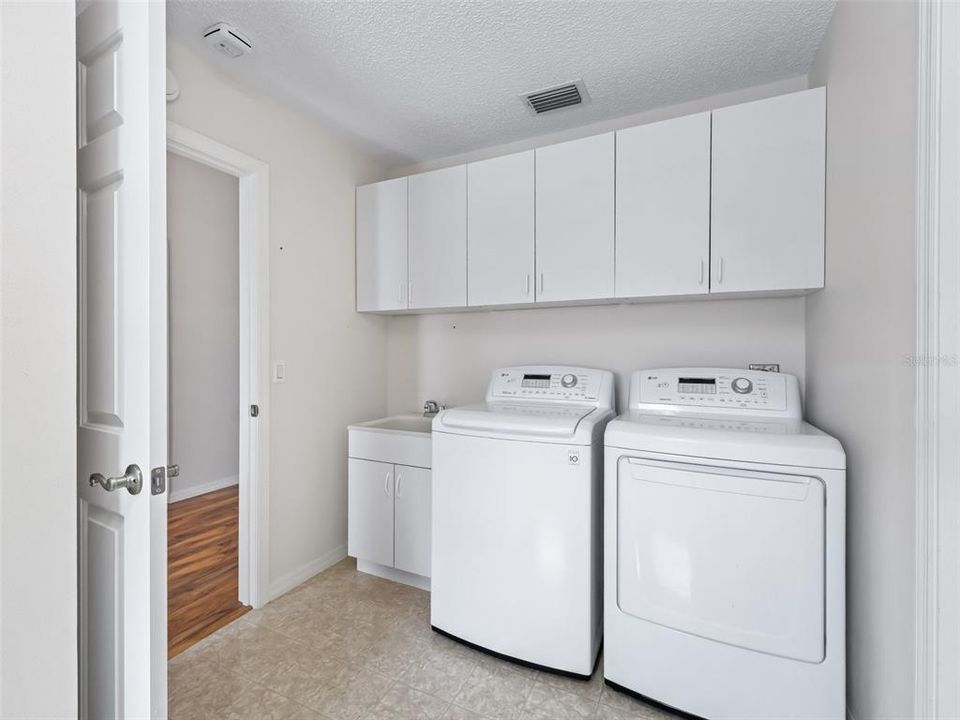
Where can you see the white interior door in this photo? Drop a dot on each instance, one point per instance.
(122, 358)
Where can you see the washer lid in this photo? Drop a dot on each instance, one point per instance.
(525, 420)
(747, 439)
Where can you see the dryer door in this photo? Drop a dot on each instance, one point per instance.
(727, 554)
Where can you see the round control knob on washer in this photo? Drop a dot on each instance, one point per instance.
(569, 380)
(741, 385)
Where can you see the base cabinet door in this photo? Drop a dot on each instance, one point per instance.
(413, 520)
(370, 525)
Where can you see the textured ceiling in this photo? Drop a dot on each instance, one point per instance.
(424, 79)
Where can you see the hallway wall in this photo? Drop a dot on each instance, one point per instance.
(203, 211)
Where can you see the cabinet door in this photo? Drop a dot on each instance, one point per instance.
(382, 245)
(413, 520)
(370, 511)
(663, 208)
(768, 194)
(438, 238)
(500, 241)
(575, 219)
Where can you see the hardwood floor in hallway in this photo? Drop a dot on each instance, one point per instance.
(202, 567)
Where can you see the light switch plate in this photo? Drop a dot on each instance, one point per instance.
(280, 371)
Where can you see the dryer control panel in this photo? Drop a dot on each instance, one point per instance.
(549, 383)
(723, 390)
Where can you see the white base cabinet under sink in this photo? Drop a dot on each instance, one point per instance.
(389, 498)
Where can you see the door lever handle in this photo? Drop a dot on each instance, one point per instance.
(132, 480)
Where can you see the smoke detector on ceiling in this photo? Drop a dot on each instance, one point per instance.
(227, 40)
(556, 97)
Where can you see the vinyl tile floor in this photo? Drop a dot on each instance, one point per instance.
(349, 646)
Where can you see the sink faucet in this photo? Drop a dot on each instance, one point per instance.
(431, 408)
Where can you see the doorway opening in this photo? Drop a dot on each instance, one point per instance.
(217, 201)
(203, 520)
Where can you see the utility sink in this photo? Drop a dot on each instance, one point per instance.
(399, 439)
(400, 423)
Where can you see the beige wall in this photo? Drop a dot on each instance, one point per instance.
(861, 329)
(38, 374)
(336, 359)
(449, 357)
(203, 218)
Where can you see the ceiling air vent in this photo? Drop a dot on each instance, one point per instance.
(557, 97)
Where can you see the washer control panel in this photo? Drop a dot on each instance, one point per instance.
(553, 384)
(716, 388)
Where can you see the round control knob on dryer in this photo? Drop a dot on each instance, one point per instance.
(569, 380)
(742, 385)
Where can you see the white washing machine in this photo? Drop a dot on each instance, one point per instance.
(517, 517)
(724, 548)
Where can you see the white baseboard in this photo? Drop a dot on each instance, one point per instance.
(389, 573)
(289, 581)
(189, 492)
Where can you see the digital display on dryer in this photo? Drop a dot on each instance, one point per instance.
(698, 386)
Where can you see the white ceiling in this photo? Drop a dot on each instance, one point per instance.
(422, 79)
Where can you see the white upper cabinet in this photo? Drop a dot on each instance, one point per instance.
(768, 194)
(575, 219)
(437, 225)
(725, 202)
(663, 208)
(382, 245)
(500, 230)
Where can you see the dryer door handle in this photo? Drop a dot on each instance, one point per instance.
(721, 479)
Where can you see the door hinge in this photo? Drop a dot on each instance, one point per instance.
(254, 411)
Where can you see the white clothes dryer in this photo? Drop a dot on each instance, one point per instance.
(724, 548)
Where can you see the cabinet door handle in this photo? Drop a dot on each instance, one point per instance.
(400, 292)
(528, 284)
(386, 484)
(720, 271)
(409, 293)
(399, 480)
(541, 283)
(700, 281)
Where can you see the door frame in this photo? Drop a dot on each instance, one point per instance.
(937, 362)
(254, 477)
